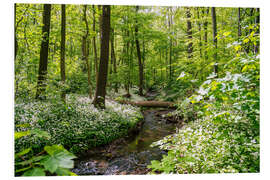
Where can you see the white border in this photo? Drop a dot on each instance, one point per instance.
(7, 82)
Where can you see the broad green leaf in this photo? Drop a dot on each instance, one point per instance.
(51, 164)
(64, 172)
(35, 172)
(54, 149)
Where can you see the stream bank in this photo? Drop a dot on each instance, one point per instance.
(128, 155)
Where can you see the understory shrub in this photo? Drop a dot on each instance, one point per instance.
(225, 135)
(77, 125)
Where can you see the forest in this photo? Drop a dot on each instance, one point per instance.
(117, 90)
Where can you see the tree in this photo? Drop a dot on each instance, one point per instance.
(205, 25)
(239, 23)
(94, 43)
(113, 59)
(99, 100)
(63, 49)
(85, 52)
(214, 22)
(139, 55)
(189, 33)
(199, 28)
(43, 62)
(257, 23)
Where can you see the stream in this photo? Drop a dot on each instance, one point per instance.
(128, 155)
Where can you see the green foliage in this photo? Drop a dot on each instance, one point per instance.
(76, 125)
(225, 137)
(52, 160)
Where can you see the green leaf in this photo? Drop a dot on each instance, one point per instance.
(21, 134)
(51, 164)
(35, 172)
(23, 169)
(34, 159)
(25, 125)
(54, 149)
(25, 151)
(64, 172)
(41, 134)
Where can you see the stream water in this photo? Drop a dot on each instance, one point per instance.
(128, 155)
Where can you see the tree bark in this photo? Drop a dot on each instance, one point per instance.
(214, 22)
(189, 34)
(86, 52)
(94, 43)
(15, 33)
(63, 49)
(257, 22)
(99, 100)
(139, 55)
(239, 23)
(170, 48)
(199, 28)
(205, 26)
(113, 59)
(43, 62)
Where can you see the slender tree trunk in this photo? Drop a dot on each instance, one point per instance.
(43, 62)
(214, 22)
(257, 22)
(94, 43)
(15, 32)
(170, 46)
(189, 34)
(239, 23)
(250, 30)
(63, 49)
(99, 100)
(139, 55)
(199, 28)
(16, 24)
(86, 52)
(113, 58)
(205, 26)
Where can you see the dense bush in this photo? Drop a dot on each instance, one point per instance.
(76, 125)
(225, 136)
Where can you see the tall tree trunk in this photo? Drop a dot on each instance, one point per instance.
(170, 46)
(257, 22)
(214, 22)
(199, 28)
(205, 26)
(16, 24)
(94, 43)
(15, 33)
(63, 49)
(43, 62)
(250, 30)
(86, 52)
(139, 55)
(99, 100)
(189, 34)
(113, 59)
(239, 24)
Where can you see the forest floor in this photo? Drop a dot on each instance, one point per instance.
(132, 154)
